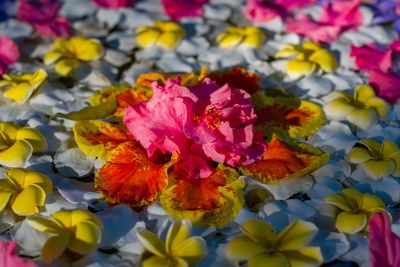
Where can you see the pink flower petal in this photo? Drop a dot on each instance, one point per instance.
(8, 257)
(114, 4)
(178, 9)
(387, 85)
(371, 56)
(9, 53)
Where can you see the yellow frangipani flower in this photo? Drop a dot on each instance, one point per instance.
(167, 34)
(77, 231)
(178, 250)
(67, 54)
(24, 191)
(354, 209)
(306, 59)
(262, 245)
(18, 143)
(21, 87)
(237, 36)
(377, 160)
(363, 109)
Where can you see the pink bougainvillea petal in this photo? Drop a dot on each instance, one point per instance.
(386, 84)
(114, 4)
(9, 258)
(371, 56)
(384, 245)
(178, 9)
(9, 53)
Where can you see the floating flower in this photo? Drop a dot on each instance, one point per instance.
(262, 245)
(260, 11)
(43, 16)
(377, 160)
(383, 243)
(67, 54)
(178, 249)
(76, 231)
(114, 4)
(24, 191)
(9, 258)
(354, 209)
(21, 87)
(202, 123)
(17, 144)
(336, 17)
(387, 84)
(363, 109)
(9, 53)
(166, 34)
(306, 59)
(178, 9)
(236, 36)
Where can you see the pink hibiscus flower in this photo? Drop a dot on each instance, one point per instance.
(336, 17)
(260, 11)
(204, 123)
(114, 4)
(177, 9)
(9, 53)
(43, 16)
(384, 245)
(9, 258)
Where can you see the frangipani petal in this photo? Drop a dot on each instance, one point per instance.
(86, 49)
(359, 155)
(52, 57)
(192, 249)
(151, 242)
(373, 146)
(325, 60)
(86, 237)
(338, 108)
(296, 236)
(20, 92)
(305, 257)
(5, 196)
(276, 260)
(214, 200)
(351, 223)
(388, 148)
(156, 261)
(16, 155)
(242, 248)
(297, 68)
(363, 118)
(29, 200)
(169, 39)
(379, 169)
(363, 93)
(177, 234)
(148, 38)
(44, 225)
(54, 247)
(339, 201)
(396, 159)
(65, 66)
(283, 160)
(34, 137)
(260, 231)
(372, 203)
(381, 106)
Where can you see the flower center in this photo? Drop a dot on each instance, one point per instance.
(211, 118)
(5, 142)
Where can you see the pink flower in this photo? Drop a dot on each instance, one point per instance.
(114, 4)
(203, 123)
(384, 245)
(177, 9)
(336, 17)
(387, 84)
(8, 257)
(260, 11)
(43, 16)
(9, 53)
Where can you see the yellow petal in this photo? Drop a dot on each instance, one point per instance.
(85, 238)
(148, 38)
(16, 155)
(287, 51)
(311, 46)
(363, 118)
(86, 49)
(227, 40)
(298, 68)
(353, 197)
(38, 77)
(305, 257)
(156, 261)
(20, 92)
(276, 260)
(373, 146)
(297, 235)
(371, 203)
(28, 201)
(193, 249)
(325, 60)
(351, 223)
(338, 108)
(242, 248)
(260, 231)
(254, 40)
(5, 196)
(363, 92)
(177, 234)
(339, 201)
(388, 147)
(359, 155)
(151, 242)
(8, 131)
(34, 137)
(44, 225)
(340, 95)
(381, 106)
(66, 66)
(379, 169)
(54, 247)
(78, 216)
(396, 158)
(39, 179)
(169, 39)
(166, 26)
(51, 57)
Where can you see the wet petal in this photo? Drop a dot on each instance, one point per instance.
(309, 256)
(85, 239)
(351, 223)
(363, 118)
(193, 249)
(379, 169)
(260, 231)
(16, 155)
(151, 242)
(34, 137)
(381, 106)
(242, 248)
(325, 60)
(177, 234)
(363, 93)
(20, 92)
(359, 155)
(28, 201)
(156, 261)
(372, 203)
(66, 66)
(338, 108)
(296, 235)
(54, 247)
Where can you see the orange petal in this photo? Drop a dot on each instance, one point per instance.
(130, 177)
(214, 200)
(96, 138)
(130, 97)
(282, 160)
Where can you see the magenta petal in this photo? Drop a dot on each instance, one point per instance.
(9, 53)
(384, 245)
(8, 257)
(371, 56)
(60, 27)
(114, 4)
(387, 85)
(178, 9)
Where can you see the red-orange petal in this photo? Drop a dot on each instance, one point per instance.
(283, 160)
(214, 200)
(130, 177)
(130, 97)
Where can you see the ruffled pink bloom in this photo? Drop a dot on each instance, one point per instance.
(177, 9)
(114, 4)
(43, 16)
(260, 11)
(336, 17)
(9, 258)
(9, 53)
(384, 245)
(202, 124)
(387, 84)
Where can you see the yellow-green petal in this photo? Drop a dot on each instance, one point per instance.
(177, 234)
(363, 93)
(66, 66)
(227, 40)
(363, 118)
(297, 68)
(242, 248)
(359, 155)
(381, 106)
(373, 146)
(338, 108)
(325, 60)
(156, 261)
(353, 197)
(260, 231)
(28, 201)
(34, 137)
(295, 236)
(20, 92)
(276, 260)
(396, 159)
(169, 39)
(17, 155)
(339, 201)
(151, 242)
(85, 238)
(379, 169)
(148, 37)
(5, 196)
(254, 40)
(44, 225)
(51, 57)
(193, 249)
(54, 247)
(351, 223)
(372, 203)
(388, 147)
(305, 257)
